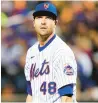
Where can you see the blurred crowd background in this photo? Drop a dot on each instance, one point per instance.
(78, 27)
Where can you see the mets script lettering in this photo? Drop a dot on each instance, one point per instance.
(34, 73)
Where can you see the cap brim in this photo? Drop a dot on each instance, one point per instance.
(44, 13)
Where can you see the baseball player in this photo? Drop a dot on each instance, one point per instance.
(50, 68)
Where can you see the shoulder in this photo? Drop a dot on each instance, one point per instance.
(63, 54)
(32, 49)
(62, 48)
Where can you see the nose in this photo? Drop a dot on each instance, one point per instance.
(43, 21)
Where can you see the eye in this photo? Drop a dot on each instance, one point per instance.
(38, 17)
(48, 17)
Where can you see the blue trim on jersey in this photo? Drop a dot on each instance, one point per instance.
(43, 47)
(68, 89)
(29, 90)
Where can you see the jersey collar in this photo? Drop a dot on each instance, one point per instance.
(43, 47)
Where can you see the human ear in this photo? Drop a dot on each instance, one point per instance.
(56, 21)
(33, 22)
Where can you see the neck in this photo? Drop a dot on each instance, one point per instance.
(45, 39)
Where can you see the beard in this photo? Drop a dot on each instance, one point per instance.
(44, 34)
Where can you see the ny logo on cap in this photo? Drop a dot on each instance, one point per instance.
(46, 6)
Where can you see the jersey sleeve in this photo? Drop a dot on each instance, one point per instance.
(27, 73)
(27, 67)
(65, 68)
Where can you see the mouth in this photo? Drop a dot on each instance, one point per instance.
(43, 28)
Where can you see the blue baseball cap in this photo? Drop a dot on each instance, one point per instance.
(45, 9)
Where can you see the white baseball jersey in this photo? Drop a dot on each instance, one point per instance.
(49, 69)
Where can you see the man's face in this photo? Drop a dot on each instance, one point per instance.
(44, 25)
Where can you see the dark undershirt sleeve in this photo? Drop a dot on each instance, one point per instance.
(29, 90)
(66, 90)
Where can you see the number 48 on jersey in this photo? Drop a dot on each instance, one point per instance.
(48, 87)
